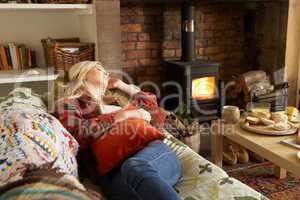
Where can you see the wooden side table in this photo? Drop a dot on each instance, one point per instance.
(269, 147)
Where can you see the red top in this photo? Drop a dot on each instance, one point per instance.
(82, 116)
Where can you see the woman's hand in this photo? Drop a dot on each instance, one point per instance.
(143, 114)
(114, 83)
(139, 113)
(119, 84)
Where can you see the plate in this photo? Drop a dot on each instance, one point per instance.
(298, 154)
(268, 130)
(291, 142)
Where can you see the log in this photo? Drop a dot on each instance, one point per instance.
(252, 77)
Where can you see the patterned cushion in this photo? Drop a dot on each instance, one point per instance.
(22, 98)
(31, 138)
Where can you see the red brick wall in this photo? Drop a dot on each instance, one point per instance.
(141, 41)
(151, 34)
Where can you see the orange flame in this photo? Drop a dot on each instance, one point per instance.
(204, 88)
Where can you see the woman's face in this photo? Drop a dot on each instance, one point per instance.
(98, 77)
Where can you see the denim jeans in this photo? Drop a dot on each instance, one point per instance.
(149, 174)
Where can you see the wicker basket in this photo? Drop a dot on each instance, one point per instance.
(65, 59)
(193, 141)
(49, 45)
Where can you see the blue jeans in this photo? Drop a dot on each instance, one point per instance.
(149, 174)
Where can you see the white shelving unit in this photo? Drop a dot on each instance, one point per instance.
(29, 23)
(72, 8)
(16, 6)
(23, 76)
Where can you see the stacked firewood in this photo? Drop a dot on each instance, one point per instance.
(255, 86)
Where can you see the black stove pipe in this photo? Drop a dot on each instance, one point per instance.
(188, 31)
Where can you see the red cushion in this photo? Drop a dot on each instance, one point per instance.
(123, 140)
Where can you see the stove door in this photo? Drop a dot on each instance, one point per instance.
(204, 88)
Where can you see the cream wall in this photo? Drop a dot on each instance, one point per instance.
(29, 28)
(293, 51)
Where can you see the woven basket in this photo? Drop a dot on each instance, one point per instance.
(193, 141)
(49, 45)
(65, 59)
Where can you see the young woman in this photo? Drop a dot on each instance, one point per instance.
(149, 174)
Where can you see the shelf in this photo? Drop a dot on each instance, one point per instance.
(22, 76)
(71, 8)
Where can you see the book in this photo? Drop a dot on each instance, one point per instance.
(3, 57)
(22, 57)
(16, 56)
(8, 57)
(13, 56)
(29, 58)
(33, 58)
(1, 66)
(16, 49)
(25, 53)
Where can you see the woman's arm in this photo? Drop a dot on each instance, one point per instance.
(131, 90)
(148, 101)
(145, 100)
(85, 130)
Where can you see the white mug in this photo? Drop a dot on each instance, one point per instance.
(231, 114)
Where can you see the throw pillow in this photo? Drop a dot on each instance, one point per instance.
(123, 140)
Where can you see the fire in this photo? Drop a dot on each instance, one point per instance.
(204, 88)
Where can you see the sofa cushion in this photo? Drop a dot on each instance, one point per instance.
(193, 165)
(30, 139)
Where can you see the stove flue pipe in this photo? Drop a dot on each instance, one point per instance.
(188, 30)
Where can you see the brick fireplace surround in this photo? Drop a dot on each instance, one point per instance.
(240, 35)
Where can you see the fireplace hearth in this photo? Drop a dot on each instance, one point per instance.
(199, 82)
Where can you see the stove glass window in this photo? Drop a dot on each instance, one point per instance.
(204, 88)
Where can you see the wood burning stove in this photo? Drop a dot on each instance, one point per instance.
(199, 80)
(201, 88)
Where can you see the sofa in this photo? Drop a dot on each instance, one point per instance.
(200, 179)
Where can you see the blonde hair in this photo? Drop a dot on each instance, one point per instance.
(77, 78)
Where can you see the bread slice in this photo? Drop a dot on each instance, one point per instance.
(253, 120)
(267, 122)
(266, 115)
